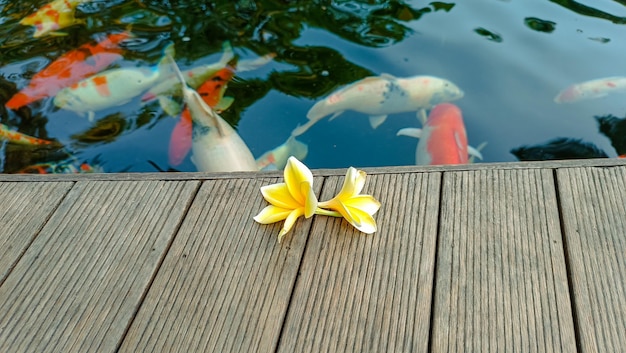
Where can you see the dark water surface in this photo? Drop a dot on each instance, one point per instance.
(511, 58)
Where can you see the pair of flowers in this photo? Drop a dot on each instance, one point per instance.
(295, 198)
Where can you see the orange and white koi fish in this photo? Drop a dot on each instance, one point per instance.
(66, 167)
(591, 89)
(276, 159)
(112, 87)
(70, 68)
(212, 92)
(443, 139)
(20, 138)
(53, 16)
(216, 146)
(379, 96)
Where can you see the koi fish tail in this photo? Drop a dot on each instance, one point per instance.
(19, 100)
(317, 112)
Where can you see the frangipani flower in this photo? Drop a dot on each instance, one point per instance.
(291, 199)
(356, 209)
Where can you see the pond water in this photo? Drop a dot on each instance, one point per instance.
(510, 58)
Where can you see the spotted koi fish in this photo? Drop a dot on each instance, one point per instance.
(379, 96)
(20, 138)
(591, 89)
(53, 16)
(70, 68)
(112, 87)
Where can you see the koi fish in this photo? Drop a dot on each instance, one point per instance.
(67, 167)
(615, 129)
(216, 146)
(112, 87)
(591, 89)
(379, 96)
(443, 139)
(212, 92)
(70, 68)
(20, 138)
(276, 159)
(559, 148)
(55, 15)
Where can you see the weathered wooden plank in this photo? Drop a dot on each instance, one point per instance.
(80, 282)
(24, 208)
(226, 282)
(501, 282)
(316, 172)
(369, 293)
(593, 201)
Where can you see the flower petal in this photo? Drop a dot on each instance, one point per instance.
(295, 173)
(365, 203)
(367, 224)
(348, 187)
(289, 222)
(310, 203)
(271, 214)
(345, 212)
(279, 196)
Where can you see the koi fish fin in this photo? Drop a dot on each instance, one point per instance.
(422, 116)
(410, 131)
(376, 120)
(475, 152)
(253, 64)
(169, 106)
(91, 115)
(224, 104)
(335, 115)
(388, 76)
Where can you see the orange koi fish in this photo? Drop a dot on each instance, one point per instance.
(69, 69)
(443, 139)
(211, 91)
(68, 167)
(55, 15)
(19, 138)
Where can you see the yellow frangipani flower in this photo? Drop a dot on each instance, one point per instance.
(356, 209)
(291, 199)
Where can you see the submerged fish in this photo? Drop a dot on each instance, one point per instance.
(591, 89)
(70, 68)
(212, 92)
(443, 139)
(112, 87)
(379, 96)
(615, 129)
(55, 15)
(216, 146)
(276, 158)
(558, 148)
(20, 138)
(65, 167)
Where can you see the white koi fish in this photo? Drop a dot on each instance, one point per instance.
(379, 96)
(591, 89)
(216, 146)
(276, 159)
(112, 87)
(443, 139)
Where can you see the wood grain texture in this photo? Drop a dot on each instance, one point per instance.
(80, 282)
(226, 283)
(501, 280)
(594, 219)
(24, 209)
(369, 293)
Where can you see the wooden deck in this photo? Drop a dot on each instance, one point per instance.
(481, 258)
